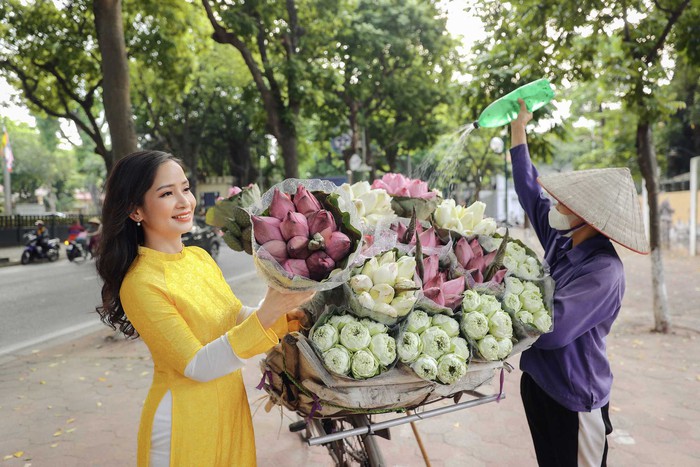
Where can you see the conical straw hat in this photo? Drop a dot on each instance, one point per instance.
(606, 199)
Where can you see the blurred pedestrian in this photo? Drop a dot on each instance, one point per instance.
(176, 299)
(566, 381)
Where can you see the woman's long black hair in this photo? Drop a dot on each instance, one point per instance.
(130, 179)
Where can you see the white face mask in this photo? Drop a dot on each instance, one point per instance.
(559, 221)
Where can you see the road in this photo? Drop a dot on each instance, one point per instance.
(44, 300)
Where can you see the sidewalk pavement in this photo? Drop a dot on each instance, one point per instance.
(10, 256)
(78, 403)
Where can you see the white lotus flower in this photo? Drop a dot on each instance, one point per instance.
(488, 348)
(382, 293)
(360, 283)
(516, 251)
(511, 302)
(500, 325)
(445, 215)
(510, 263)
(407, 267)
(460, 347)
(529, 269)
(471, 301)
(360, 188)
(386, 274)
(374, 327)
(532, 287)
(403, 305)
(505, 347)
(409, 347)
(355, 336)
(489, 305)
(475, 324)
(514, 285)
(542, 321)
(385, 309)
(451, 368)
(531, 301)
(387, 257)
(338, 321)
(364, 365)
(366, 300)
(325, 337)
(524, 316)
(425, 367)
(403, 283)
(418, 321)
(370, 267)
(337, 359)
(486, 227)
(383, 346)
(447, 324)
(436, 342)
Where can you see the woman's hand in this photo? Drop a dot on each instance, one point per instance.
(276, 304)
(517, 126)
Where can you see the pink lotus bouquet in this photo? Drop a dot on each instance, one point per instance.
(408, 194)
(480, 267)
(442, 285)
(302, 235)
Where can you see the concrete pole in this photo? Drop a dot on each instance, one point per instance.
(693, 221)
(7, 185)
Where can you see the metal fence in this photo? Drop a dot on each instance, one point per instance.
(13, 228)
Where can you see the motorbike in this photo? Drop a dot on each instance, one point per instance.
(77, 249)
(32, 250)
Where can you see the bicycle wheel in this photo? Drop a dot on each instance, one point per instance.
(352, 451)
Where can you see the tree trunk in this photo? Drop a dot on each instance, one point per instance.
(288, 146)
(240, 163)
(115, 72)
(646, 157)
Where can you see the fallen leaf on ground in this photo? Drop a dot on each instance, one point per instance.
(70, 420)
(70, 430)
(58, 433)
(42, 382)
(99, 404)
(54, 445)
(144, 373)
(18, 454)
(101, 379)
(7, 457)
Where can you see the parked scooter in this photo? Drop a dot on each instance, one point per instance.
(32, 251)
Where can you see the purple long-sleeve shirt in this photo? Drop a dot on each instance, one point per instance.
(570, 363)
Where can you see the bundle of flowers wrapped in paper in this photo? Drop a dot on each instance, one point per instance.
(431, 346)
(373, 205)
(408, 195)
(303, 238)
(525, 300)
(442, 285)
(232, 217)
(357, 348)
(383, 287)
(482, 269)
(486, 325)
(449, 217)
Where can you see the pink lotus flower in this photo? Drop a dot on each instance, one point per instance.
(278, 250)
(305, 202)
(233, 191)
(298, 247)
(296, 267)
(319, 264)
(281, 204)
(399, 185)
(401, 230)
(294, 225)
(431, 265)
(337, 245)
(321, 221)
(471, 257)
(266, 229)
(435, 294)
(452, 291)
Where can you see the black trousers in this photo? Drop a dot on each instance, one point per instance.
(556, 430)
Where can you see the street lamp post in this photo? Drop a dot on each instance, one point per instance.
(497, 145)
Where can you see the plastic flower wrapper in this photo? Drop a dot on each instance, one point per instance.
(383, 347)
(451, 368)
(382, 287)
(364, 365)
(232, 217)
(488, 348)
(409, 347)
(464, 221)
(337, 359)
(475, 325)
(436, 342)
(373, 204)
(408, 195)
(325, 337)
(425, 367)
(374, 327)
(355, 336)
(500, 325)
(460, 347)
(302, 239)
(447, 324)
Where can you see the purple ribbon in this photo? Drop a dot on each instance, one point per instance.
(266, 375)
(315, 407)
(500, 389)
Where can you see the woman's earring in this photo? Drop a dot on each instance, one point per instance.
(138, 223)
